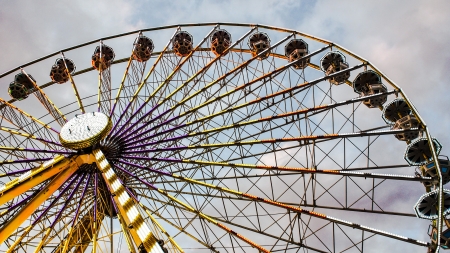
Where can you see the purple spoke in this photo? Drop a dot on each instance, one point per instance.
(147, 123)
(153, 149)
(120, 117)
(15, 172)
(160, 141)
(236, 71)
(95, 198)
(130, 145)
(137, 122)
(81, 201)
(264, 77)
(167, 80)
(25, 160)
(21, 202)
(125, 138)
(49, 142)
(144, 168)
(142, 83)
(154, 135)
(127, 122)
(132, 175)
(55, 200)
(152, 159)
(201, 71)
(67, 201)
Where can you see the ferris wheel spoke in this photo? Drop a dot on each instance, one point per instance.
(290, 90)
(202, 215)
(150, 186)
(58, 216)
(160, 87)
(290, 207)
(81, 234)
(132, 78)
(32, 178)
(274, 168)
(181, 229)
(122, 83)
(265, 141)
(34, 130)
(277, 236)
(30, 136)
(263, 130)
(260, 130)
(198, 75)
(223, 77)
(313, 214)
(57, 236)
(230, 222)
(142, 84)
(163, 84)
(31, 206)
(36, 150)
(77, 234)
(11, 149)
(348, 207)
(301, 204)
(74, 87)
(285, 115)
(230, 160)
(53, 110)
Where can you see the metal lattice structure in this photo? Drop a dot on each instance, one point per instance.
(222, 138)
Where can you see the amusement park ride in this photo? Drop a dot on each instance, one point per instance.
(222, 146)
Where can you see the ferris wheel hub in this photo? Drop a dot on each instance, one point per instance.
(85, 130)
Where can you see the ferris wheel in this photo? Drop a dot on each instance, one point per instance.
(215, 137)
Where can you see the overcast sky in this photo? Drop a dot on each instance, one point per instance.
(407, 40)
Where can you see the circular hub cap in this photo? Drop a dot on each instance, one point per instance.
(85, 130)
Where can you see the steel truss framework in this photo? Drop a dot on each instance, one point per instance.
(230, 152)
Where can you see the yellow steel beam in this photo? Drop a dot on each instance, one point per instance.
(31, 206)
(32, 178)
(140, 232)
(38, 175)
